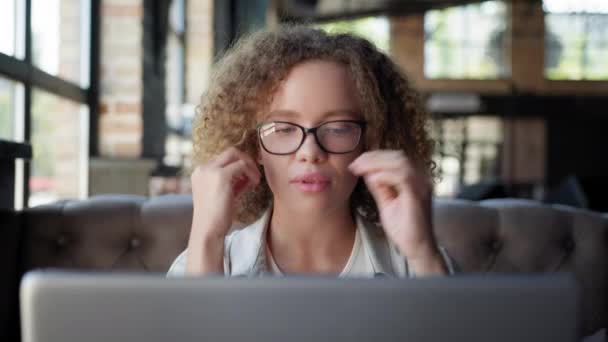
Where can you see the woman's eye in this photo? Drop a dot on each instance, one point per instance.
(285, 130)
(339, 130)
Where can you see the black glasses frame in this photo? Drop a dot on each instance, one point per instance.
(313, 130)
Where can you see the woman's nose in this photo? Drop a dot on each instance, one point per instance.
(310, 151)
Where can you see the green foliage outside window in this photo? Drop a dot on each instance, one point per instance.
(374, 29)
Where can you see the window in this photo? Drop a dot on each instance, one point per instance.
(467, 42)
(7, 25)
(189, 52)
(374, 29)
(179, 114)
(59, 42)
(45, 94)
(10, 98)
(576, 39)
(468, 151)
(60, 148)
(11, 26)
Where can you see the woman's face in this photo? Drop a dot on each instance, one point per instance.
(310, 179)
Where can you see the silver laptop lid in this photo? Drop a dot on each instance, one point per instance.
(64, 306)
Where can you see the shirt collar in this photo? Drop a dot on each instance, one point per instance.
(248, 249)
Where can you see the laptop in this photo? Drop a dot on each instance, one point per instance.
(66, 306)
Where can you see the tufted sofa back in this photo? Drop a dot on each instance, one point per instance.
(522, 236)
(109, 232)
(123, 232)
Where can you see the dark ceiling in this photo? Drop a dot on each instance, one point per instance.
(325, 10)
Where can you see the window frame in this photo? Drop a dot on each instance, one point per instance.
(177, 28)
(24, 72)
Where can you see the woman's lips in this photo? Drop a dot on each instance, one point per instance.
(311, 182)
(312, 187)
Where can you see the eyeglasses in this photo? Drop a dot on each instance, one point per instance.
(339, 137)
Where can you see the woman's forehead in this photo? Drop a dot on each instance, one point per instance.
(317, 88)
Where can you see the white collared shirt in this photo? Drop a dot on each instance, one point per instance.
(358, 264)
(245, 253)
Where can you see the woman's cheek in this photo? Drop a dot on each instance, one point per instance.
(274, 177)
(351, 182)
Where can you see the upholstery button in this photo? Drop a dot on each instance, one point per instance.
(135, 242)
(495, 246)
(568, 244)
(61, 241)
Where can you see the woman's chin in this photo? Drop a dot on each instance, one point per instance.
(318, 203)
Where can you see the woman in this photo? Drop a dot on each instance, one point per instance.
(318, 143)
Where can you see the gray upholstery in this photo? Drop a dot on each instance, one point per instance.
(521, 236)
(122, 232)
(115, 232)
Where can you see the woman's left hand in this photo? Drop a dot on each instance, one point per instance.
(403, 194)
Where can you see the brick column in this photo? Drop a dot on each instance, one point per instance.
(120, 122)
(199, 47)
(407, 45)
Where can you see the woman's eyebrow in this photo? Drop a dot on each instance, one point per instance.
(295, 114)
(283, 113)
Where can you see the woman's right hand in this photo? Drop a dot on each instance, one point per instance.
(216, 186)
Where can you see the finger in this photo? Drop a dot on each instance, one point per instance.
(230, 155)
(249, 171)
(237, 171)
(224, 158)
(380, 189)
(252, 165)
(233, 154)
(240, 176)
(371, 155)
(396, 179)
(242, 186)
(380, 161)
(363, 168)
(395, 183)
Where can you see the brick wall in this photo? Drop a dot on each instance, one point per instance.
(199, 47)
(120, 121)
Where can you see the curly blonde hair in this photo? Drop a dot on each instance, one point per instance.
(247, 76)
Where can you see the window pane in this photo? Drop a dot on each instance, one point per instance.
(467, 42)
(11, 110)
(569, 6)
(60, 38)
(483, 149)
(468, 151)
(7, 109)
(60, 148)
(576, 46)
(7, 27)
(178, 114)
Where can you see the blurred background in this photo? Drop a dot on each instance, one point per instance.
(104, 91)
